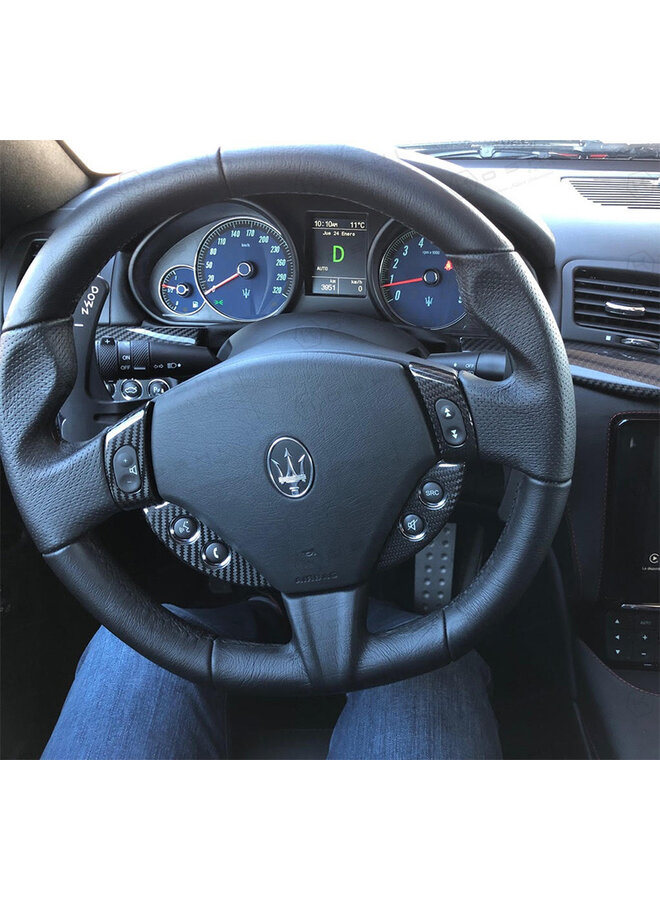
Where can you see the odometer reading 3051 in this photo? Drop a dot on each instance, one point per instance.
(245, 269)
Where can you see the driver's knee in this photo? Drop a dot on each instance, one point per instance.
(122, 706)
(444, 714)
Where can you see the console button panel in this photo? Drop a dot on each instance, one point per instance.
(632, 637)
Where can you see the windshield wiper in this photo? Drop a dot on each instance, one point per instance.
(537, 150)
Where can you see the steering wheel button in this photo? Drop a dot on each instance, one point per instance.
(125, 458)
(431, 493)
(413, 526)
(454, 436)
(216, 554)
(185, 529)
(126, 469)
(451, 422)
(129, 483)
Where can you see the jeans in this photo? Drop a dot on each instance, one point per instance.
(122, 706)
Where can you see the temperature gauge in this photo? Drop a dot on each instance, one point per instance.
(178, 291)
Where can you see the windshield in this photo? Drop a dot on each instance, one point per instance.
(400, 75)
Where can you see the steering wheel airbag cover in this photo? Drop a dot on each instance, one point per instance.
(358, 418)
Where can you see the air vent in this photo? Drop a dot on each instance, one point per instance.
(634, 193)
(620, 300)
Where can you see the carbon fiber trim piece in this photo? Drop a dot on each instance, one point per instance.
(398, 548)
(131, 431)
(620, 390)
(133, 332)
(471, 342)
(434, 385)
(617, 360)
(238, 570)
(616, 370)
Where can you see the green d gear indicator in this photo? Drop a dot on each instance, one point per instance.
(339, 244)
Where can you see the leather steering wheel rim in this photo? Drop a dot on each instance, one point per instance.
(526, 422)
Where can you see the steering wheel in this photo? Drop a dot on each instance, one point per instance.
(361, 421)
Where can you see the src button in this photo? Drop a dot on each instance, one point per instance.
(431, 494)
(126, 469)
(451, 422)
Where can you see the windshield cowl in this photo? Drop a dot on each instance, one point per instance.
(524, 149)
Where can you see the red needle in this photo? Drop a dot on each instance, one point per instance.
(226, 281)
(394, 283)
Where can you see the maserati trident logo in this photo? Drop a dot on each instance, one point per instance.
(290, 467)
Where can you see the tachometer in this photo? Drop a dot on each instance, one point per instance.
(246, 269)
(417, 283)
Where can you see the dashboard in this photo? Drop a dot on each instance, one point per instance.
(243, 261)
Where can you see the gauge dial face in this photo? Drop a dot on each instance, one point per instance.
(178, 291)
(418, 284)
(245, 269)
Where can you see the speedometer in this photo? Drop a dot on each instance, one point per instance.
(417, 283)
(245, 269)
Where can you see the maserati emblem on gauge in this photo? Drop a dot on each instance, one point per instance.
(290, 467)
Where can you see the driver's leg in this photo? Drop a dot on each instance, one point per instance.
(122, 706)
(444, 714)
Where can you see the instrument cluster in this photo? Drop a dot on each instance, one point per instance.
(238, 262)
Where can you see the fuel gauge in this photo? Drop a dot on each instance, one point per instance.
(178, 291)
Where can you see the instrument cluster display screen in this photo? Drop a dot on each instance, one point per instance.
(339, 254)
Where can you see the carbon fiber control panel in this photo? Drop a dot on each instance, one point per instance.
(199, 547)
(423, 516)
